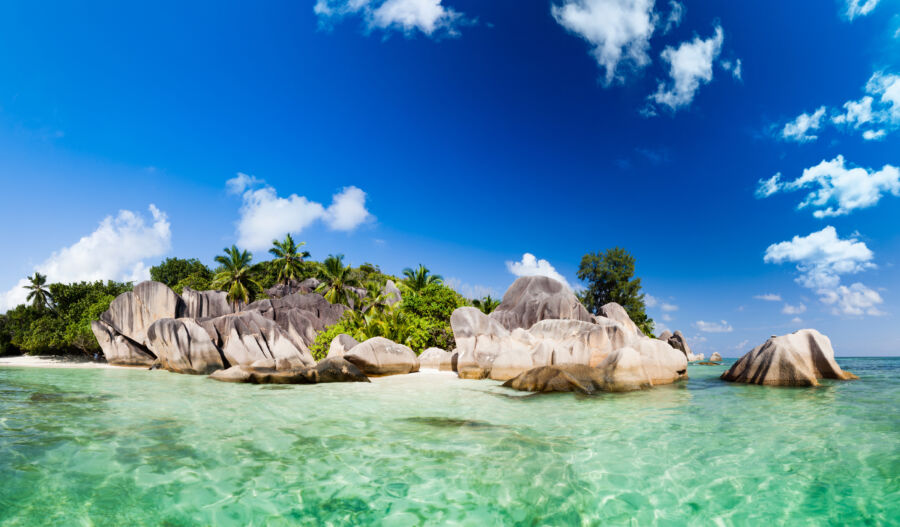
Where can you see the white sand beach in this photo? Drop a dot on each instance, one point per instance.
(47, 361)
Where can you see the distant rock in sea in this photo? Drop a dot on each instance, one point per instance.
(798, 359)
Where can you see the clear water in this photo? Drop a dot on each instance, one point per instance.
(126, 447)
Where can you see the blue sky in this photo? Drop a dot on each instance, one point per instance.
(466, 135)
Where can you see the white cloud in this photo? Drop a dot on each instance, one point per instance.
(430, 17)
(857, 8)
(769, 297)
(798, 129)
(347, 210)
(676, 13)
(690, 66)
(667, 317)
(789, 309)
(741, 346)
(669, 307)
(840, 190)
(241, 182)
(796, 320)
(713, 327)
(876, 113)
(767, 187)
(531, 266)
(821, 258)
(264, 216)
(470, 291)
(618, 31)
(856, 299)
(650, 301)
(116, 250)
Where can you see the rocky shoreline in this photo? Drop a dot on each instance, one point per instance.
(540, 338)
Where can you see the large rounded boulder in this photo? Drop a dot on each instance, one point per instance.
(118, 349)
(798, 359)
(183, 346)
(531, 299)
(380, 356)
(131, 313)
(247, 337)
(479, 341)
(436, 359)
(205, 304)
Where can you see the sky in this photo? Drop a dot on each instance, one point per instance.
(746, 153)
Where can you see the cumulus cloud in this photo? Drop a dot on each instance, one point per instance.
(529, 265)
(799, 129)
(857, 8)
(430, 17)
(618, 31)
(116, 250)
(690, 66)
(265, 216)
(650, 301)
(822, 258)
(669, 307)
(769, 297)
(837, 189)
(874, 115)
(798, 309)
(713, 327)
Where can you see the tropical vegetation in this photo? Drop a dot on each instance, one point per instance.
(609, 277)
(57, 318)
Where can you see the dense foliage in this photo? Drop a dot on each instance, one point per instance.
(64, 327)
(421, 320)
(179, 273)
(609, 277)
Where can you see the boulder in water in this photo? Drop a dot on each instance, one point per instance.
(248, 336)
(131, 313)
(380, 356)
(118, 349)
(798, 359)
(715, 357)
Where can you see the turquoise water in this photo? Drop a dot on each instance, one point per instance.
(128, 447)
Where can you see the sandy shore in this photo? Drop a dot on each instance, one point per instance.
(39, 361)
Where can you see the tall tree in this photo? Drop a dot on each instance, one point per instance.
(609, 277)
(39, 295)
(418, 278)
(234, 275)
(171, 271)
(288, 258)
(337, 279)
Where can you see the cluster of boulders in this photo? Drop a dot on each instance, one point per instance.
(540, 324)
(200, 332)
(540, 338)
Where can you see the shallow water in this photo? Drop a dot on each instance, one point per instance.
(129, 447)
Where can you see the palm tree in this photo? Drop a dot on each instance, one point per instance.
(288, 258)
(486, 304)
(337, 279)
(417, 279)
(234, 275)
(40, 296)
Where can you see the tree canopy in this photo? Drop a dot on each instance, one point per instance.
(609, 277)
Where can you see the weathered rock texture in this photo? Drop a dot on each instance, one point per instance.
(119, 349)
(131, 313)
(248, 336)
(436, 359)
(798, 359)
(205, 304)
(183, 346)
(380, 356)
(199, 333)
(328, 370)
(340, 345)
(531, 299)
